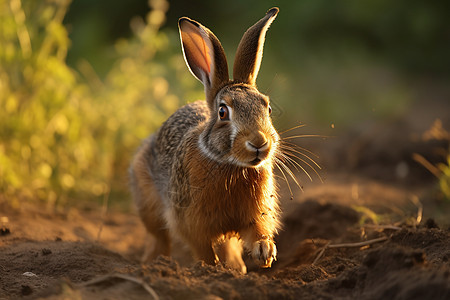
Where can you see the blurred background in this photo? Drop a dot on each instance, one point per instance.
(83, 82)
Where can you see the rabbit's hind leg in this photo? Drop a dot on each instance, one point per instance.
(159, 240)
(229, 251)
(203, 250)
(150, 207)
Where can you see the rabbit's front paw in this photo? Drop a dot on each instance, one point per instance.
(264, 252)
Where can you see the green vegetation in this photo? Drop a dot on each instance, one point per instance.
(444, 178)
(325, 61)
(68, 134)
(74, 107)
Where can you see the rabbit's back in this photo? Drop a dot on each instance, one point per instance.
(165, 144)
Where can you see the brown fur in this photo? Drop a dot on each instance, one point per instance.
(245, 69)
(242, 192)
(208, 180)
(149, 205)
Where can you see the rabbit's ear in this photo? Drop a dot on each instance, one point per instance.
(204, 55)
(250, 49)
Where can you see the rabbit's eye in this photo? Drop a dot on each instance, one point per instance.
(224, 115)
(270, 109)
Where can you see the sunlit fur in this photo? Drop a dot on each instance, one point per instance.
(210, 181)
(249, 123)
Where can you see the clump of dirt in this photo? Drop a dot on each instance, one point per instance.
(31, 267)
(411, 263)
(394, 272)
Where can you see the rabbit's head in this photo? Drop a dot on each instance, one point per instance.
(239, 130)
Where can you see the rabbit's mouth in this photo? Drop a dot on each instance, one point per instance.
(255, 162)
(257, 155)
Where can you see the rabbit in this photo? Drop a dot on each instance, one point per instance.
(206, 176)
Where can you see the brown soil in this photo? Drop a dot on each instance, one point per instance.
(65, 259)
(80, 255)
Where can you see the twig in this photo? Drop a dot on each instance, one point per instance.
(348, 245)
(374, 226)
(429, 166)
(359, 244)
(321, 253)
(150, 290)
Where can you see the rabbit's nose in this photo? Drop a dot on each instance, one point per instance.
(252, 147)
(258, 142)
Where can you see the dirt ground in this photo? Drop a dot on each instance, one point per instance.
(375, 229)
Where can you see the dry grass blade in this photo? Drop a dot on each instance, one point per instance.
(348, 245)
(415, 200)
(150, 290)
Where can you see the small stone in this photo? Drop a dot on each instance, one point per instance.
(26, 290)
(46, 251)
(4, 231)
(430, 223)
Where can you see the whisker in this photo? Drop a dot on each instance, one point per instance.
(278, 176)
(312, 168)
(290, 129)
(304, 136)
(296, 163)
(285, 178)
(293, 163)
(286, 168)
(293, 145)
(303, 154)
(290, 150)
(289, 160)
